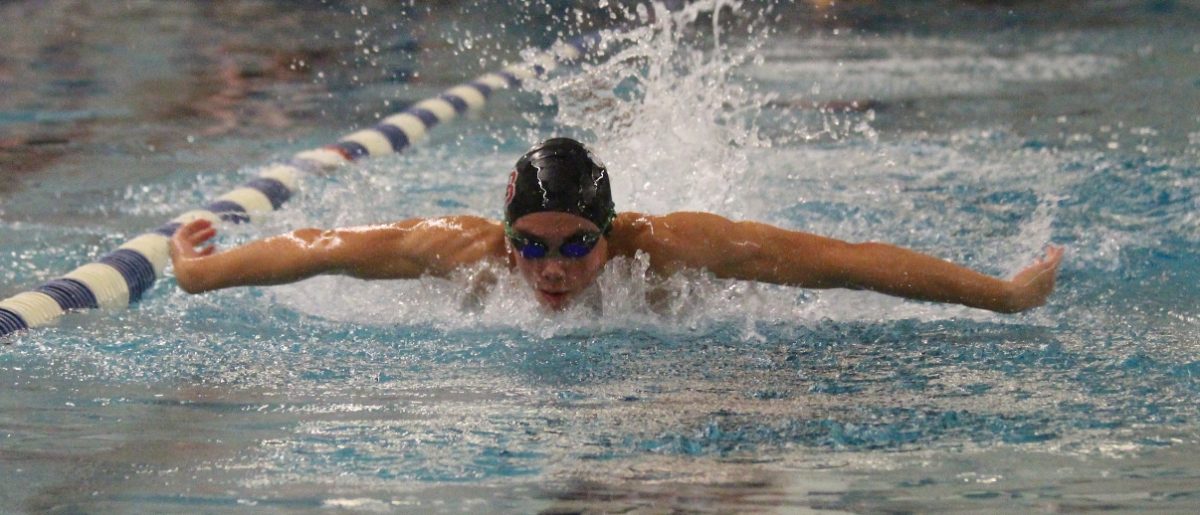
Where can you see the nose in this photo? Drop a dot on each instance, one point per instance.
(552, 270)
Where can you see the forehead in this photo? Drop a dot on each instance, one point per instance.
(550, 224)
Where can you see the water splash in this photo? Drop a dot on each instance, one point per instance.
(673, 129)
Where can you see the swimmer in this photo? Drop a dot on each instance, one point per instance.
(560, 228)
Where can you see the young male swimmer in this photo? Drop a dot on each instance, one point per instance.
(560, 228)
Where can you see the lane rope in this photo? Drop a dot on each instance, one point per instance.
(120, 277)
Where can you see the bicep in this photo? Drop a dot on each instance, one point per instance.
(374, 252)
(747, 251)
(409, 248)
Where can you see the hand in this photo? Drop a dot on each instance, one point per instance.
(190, 235)
(184, 255)
(1031, 286)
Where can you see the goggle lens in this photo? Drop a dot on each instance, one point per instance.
(575, 247)
(531, 249)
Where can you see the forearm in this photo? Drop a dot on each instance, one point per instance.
(905, 273)
(276, 260)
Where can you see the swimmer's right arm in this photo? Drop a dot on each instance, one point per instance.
(402, 250)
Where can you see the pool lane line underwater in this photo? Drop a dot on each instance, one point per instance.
(120, 277)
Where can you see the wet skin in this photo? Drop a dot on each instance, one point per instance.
(556, 280)
(678, 241)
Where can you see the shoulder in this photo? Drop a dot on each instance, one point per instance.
(630, 233)
(465, 238)
(445, 228)
(463, 225)
(669, 238)
(456, 231)
(632, 227)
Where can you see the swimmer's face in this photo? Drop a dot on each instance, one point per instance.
(557, 280)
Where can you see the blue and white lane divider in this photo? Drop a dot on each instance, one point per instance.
(120, 277)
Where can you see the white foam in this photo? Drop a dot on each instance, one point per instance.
(883, 68)
(663, 114)
(678, 134)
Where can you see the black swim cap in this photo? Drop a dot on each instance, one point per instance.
(560, 174)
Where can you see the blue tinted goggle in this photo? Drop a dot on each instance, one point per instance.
(574, 247)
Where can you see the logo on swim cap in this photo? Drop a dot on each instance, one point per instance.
(511, 189)
(560, 175)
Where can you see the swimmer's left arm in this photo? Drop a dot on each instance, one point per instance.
(761, 252)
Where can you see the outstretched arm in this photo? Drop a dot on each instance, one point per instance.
(760, 252)
(406, 249)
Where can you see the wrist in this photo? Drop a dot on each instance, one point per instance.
(1011, 299)
(189, 276)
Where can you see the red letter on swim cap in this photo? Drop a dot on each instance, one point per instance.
(512, 188)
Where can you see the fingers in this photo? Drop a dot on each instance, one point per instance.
(1037, 281)
(191, 235)
(194, 229)
(1055, 254)
(1034, 284)
(1051, 261)
(201, 236)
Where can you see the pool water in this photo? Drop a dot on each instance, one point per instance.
(975, 132)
